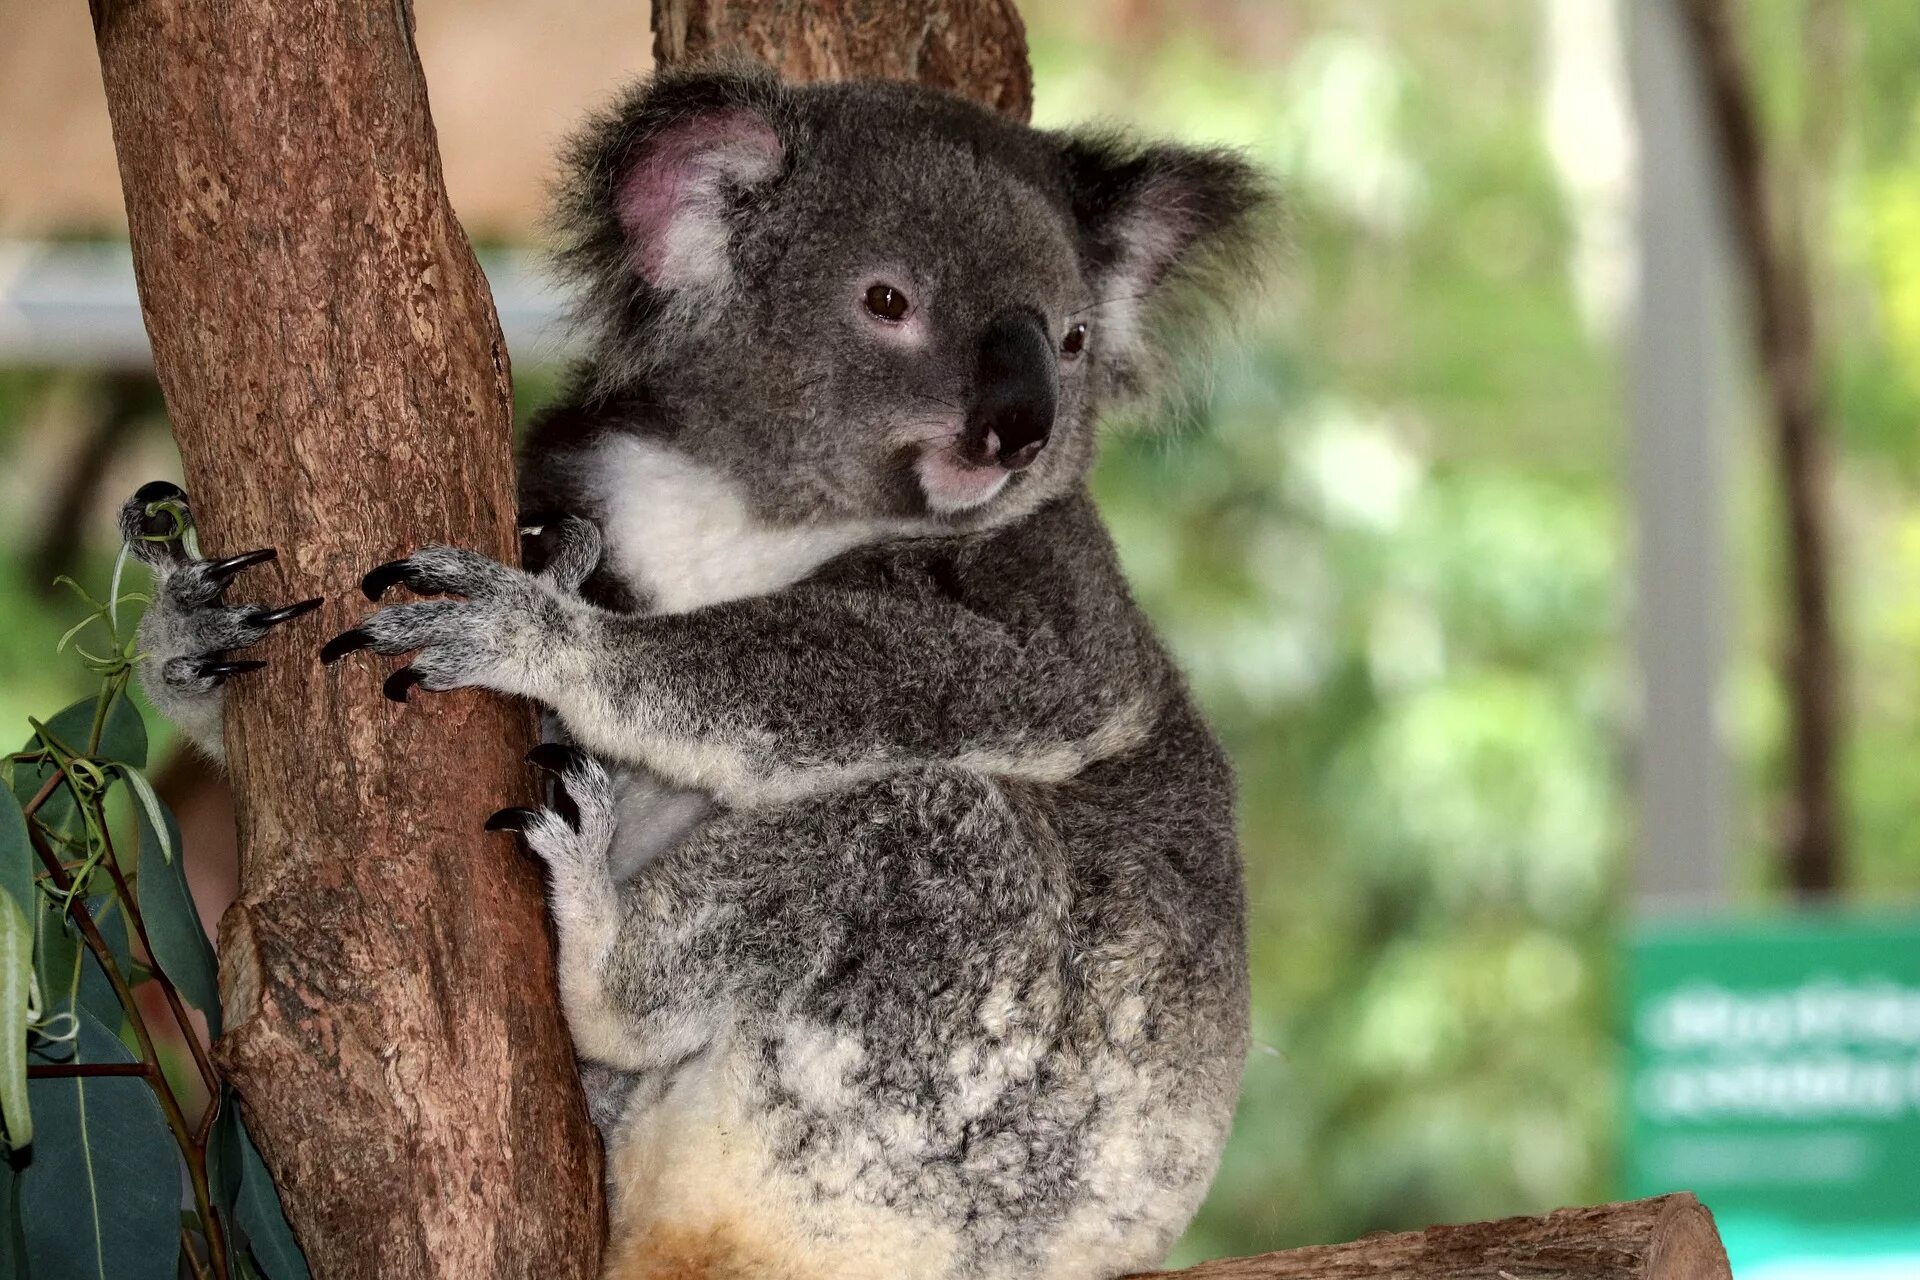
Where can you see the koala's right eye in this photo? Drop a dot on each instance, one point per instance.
(887, 302)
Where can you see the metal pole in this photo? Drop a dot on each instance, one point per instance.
(1680, 401)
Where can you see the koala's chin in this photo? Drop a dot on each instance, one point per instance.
(953, 486)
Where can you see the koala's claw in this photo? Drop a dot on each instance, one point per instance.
(559, 758)
(158, 491)
(219, 671)
(352, 640)
(396, 685)
(381, 579)
(575, 834)
(518, 818)
(274, 617)
(223, 571)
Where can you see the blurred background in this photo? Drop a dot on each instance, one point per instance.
(1548, 555)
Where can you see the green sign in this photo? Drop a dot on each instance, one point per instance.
(1774, 1070)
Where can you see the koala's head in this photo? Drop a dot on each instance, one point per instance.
(874, 300)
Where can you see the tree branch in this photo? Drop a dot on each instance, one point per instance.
(1786, 339)
(1665, 1238)
(977, 48)
(338, 387)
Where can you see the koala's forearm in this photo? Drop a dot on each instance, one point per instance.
(770, 699)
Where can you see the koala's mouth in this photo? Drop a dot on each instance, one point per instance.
(952, 484)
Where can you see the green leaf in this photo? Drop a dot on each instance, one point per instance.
(17, 859)
(223, 1179)
(96, 991)
(151, 807)
(70, 977)
(180, 945)
(102, 1192)
(258, 1210)
(123, 740)
(16, 984)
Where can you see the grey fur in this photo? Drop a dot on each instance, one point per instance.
(899, 907)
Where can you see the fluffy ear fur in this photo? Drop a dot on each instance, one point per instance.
(1173, 234)
(652, 193)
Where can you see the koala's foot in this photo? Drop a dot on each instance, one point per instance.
(574, 838)
(493, 637)
(189, 633)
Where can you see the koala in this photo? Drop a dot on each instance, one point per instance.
(893, 870)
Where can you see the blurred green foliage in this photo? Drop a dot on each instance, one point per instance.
(1388, 537)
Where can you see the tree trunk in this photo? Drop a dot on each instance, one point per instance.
(1665, 1238)
(977, 48)
(339, 389)
(1780, 295)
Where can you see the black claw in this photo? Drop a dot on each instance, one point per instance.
(514, 819)
(399, 682)
(352, 640)
(224, 570)
(377, 582)
(220, 670)
(556, 757)
(158, 491)
(274, 617)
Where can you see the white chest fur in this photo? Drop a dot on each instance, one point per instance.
(684, 534)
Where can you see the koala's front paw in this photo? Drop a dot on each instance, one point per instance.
(498, 636)
(189, 632)
(575, 836)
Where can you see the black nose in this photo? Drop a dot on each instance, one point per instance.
(1016, 390)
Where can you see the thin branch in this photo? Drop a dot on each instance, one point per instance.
(1785, 336)
(183, 1135)
(209, 1075)
(193, 1259)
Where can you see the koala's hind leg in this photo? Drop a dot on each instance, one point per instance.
(575, 840)
(189, 632)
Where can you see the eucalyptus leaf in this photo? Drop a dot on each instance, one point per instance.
(101, 1194)
(150, 808)
(70, 976)
(16, 985)
(17, 861)
(223, 1178)
(180, 945)
(56, 958)
(96, 990)
(123, 740)
(268, 1236)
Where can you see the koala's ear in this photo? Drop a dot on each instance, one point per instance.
(660, 177)
(1164, 222)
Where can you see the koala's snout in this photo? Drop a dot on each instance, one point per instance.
(1016, 389)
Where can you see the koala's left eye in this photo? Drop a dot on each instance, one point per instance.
(1075, 342)
(887, 302)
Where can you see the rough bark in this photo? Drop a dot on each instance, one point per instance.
(339, 389)
(977, 48)
(1785, 336)
(1665, 1238)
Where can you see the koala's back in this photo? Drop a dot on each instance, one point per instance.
(983, 1017)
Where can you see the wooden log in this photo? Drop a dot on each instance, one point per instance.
(977, 48)
(1665, 1238)
(339, 389)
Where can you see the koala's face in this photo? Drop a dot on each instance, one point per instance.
(877, 301)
